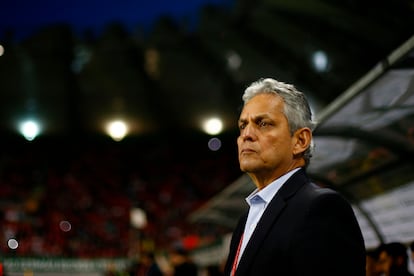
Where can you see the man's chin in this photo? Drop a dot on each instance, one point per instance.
(247, 167)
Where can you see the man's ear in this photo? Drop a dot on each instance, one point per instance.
(302, 139)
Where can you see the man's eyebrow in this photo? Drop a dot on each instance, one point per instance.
(255, 117)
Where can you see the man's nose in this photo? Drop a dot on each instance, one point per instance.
(248, 133)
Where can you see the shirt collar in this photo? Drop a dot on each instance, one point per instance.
(266, 194)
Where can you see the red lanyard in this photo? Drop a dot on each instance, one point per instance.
(236, 258)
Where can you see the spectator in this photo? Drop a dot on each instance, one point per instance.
(151, 263)
(182, 263)
(371, 263)
(393, 259)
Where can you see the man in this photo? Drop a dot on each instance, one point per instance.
(393, 259)
(372, 263)
(293, 227)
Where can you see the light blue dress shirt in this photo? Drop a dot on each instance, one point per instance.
(258, 200)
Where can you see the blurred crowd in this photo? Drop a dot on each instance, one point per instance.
(390, 259)
(74, 200)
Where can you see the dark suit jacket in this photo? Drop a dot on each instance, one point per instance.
(305, 230)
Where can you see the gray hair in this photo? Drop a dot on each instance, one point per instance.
(296, 107)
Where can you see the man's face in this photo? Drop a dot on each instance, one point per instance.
(265, 144)
(384, 264)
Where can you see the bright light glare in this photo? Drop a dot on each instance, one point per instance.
(29, 129)
(138, 218)
(1, 50)
(65, 226)
(213, 126)
(320, 61)
(13, 243)
(234, 60)
(117, 130)
(214, 144)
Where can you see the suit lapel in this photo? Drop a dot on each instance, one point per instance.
(269, 217)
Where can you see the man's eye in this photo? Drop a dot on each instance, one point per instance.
(262, 124)
(243, 126)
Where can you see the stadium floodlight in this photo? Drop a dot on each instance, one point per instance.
(30, 129)
(320, 61)
(213, 126)
(117, 130)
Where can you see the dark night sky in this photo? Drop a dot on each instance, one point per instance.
(24, 17)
